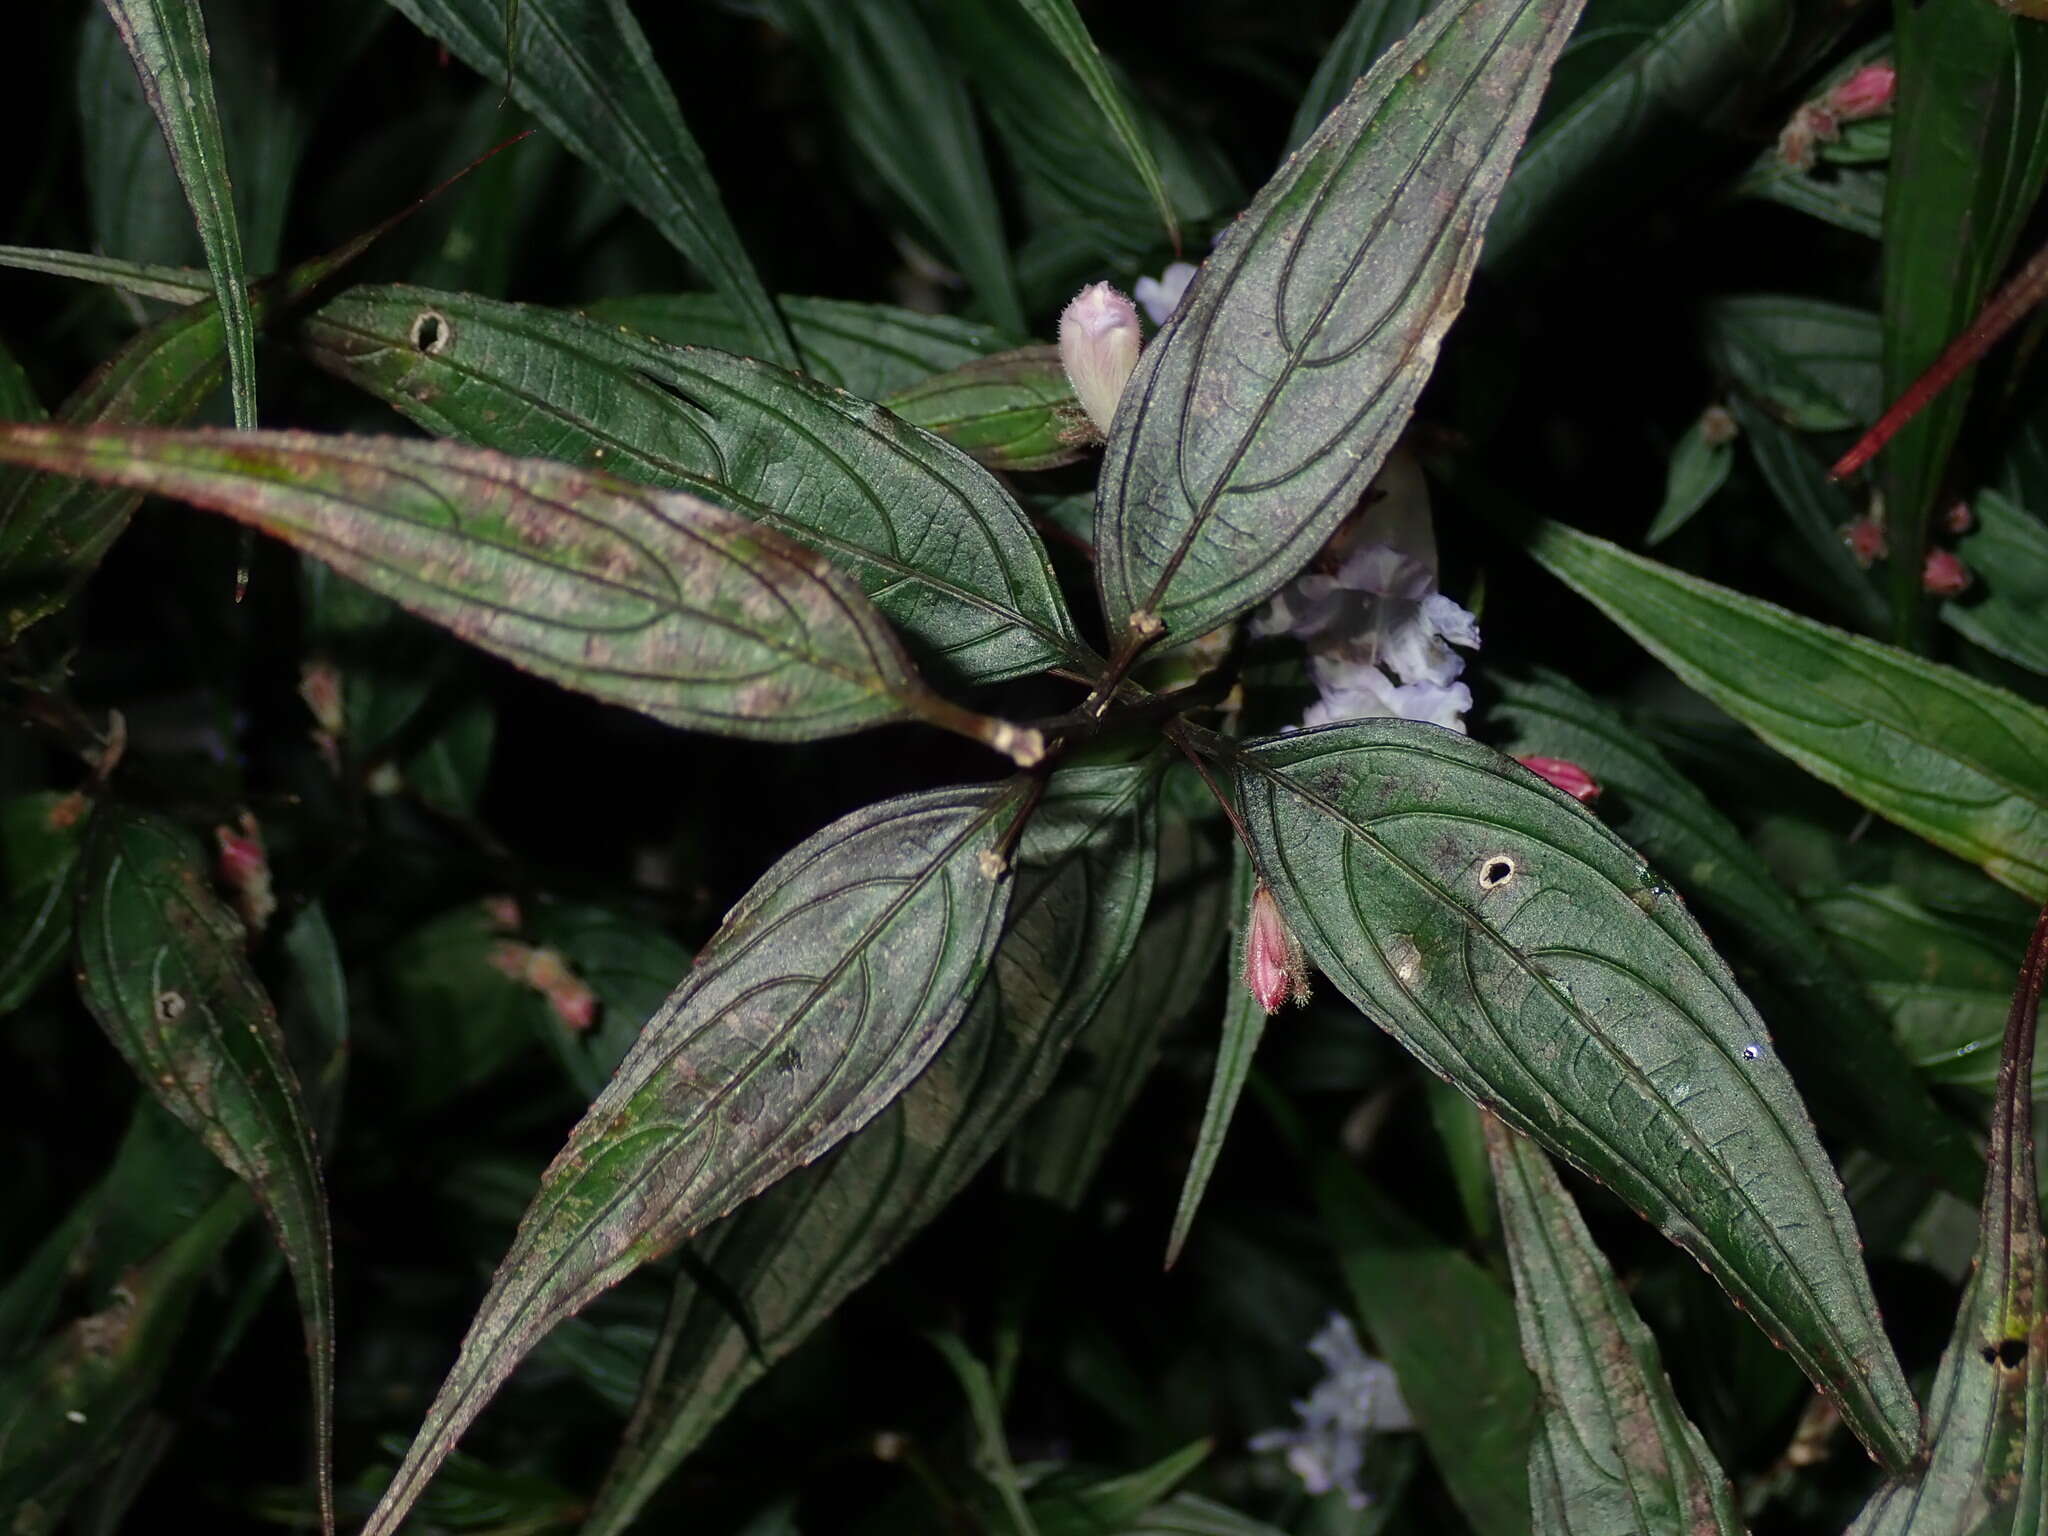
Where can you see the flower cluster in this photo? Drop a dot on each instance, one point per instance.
(1356, 1396)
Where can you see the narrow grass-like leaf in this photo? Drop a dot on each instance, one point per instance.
(2008, 552)
(869, 350)
(1936, 751)
(149, 280)
(1968, 164)
(1262, 411)
(1987, 1421)
(1189, 1514)
(161, 966)
(1813, 364)
(167, 41)
(1084, 876)
(655, 601)
(1525, 953)
(1447, 1327)
(1244, 1023)
(40, 838)
(933, 539)
(1841, 1055)
(583, 67)
(1370, 30)
(1013, 411)
(1613, 1453)
(909, 115)
(1112, 1503)
(1063, 24)
(824, 994)
(992, 1446)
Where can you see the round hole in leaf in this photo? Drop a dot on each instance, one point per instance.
(431, 333)
(1498, 871)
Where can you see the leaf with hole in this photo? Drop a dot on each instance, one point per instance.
(1522, 951)
(932, 538)
(1613, 1453)
(161, 966)
(1262, 411)
(825, 993)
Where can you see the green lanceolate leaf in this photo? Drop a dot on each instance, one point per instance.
(40, 837)
(1812, 364)
(2008, 552)
(933, 539)
(1840, 1053)
(1613, 1453)
(1013, 411)
(1112, 1503)
(1933, 749)
(825, 993)
(1244, 1022)
(583, 67)
(655, 601)
(167, 41)
(1063, 25)
(1370, 30)
(869, 350)
(1699, 467)
(1987, 1420)
(1447, 1327)
(1968, 163)
(1084, 875)
(161, 966)
(1258, 416)
(1526, 954)
(149, 280)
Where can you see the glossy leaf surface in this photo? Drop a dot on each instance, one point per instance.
(827, 990)
(932, 538)
(1928, 747)
(161, 966)
(1613, 1453)
(1013, 411)
(658, 602)
(1523, 952)
(1261, 412)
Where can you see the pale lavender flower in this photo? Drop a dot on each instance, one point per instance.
(1160, 296)
(1357, 1396)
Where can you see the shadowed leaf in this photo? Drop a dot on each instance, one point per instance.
(1523, 952)
(40, 837)
(1013, 411)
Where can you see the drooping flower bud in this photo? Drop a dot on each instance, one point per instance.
(1944, 575)
(1959, 518)
(1867, 93)
(1565, 775)
(1274, 968)
(245, 871)
(546, 971)
(1866, 540)
(1099, 348)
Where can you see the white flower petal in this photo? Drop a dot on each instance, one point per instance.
(1451, 621)
(1160, 297)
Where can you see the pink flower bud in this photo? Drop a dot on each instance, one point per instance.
(1867, 93)
(1274, 969)
(1565, 775)
(1959, 518)
(502, 913)
(1866, 541)
(320, 687)
(1812, 124)
(245, 871)
(547, 972)
(1718, 427)
(1944, 575)
(1099, 348)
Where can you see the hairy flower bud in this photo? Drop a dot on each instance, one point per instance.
(1944, 575)
(1565, 775)
(245, 871)
(1099, 348)
(1274, 969)
(1866, 540)
(1867, 93)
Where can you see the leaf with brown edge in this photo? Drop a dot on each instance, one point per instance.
(1261, 413)
(656, 601)
(161, 966)
(1987, 1420)
(1613, 1453)
(826, 992)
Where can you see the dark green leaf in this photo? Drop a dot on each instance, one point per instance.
(1084, 875)
(167, 41)
(825, 993)
(1013, 411)
(1698, 468)
(1614, 1454)
(1968, 164)
(1261, 412)
(869, 350)
(1813, 364)
(1113, 1503)
(2008, 553)
(39, 843)
(908, 114)
(1190, 1514)
(1069, 34)
(162, 968)
(991, 1445)
(1370, 30)
(174, 285)
(1841, 1057)
(1447, 1328)
(1987, 1420)
(1244, 1022)
(583, 67)
(1522, 951)
(933, 539)
(1845, 197)
(1933, 749)
(655, 601)
(1056, 1153)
